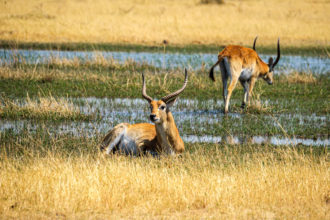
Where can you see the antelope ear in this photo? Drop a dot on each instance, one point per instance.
(270, 62)
(170, 103)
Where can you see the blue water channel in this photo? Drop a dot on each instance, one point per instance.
(194, 61)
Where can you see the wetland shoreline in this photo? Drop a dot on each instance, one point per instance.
(319, 51)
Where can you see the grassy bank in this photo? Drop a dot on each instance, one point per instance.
(64, 177)
(124, 81)
(159, 48)
(302, 24)
(295, 106)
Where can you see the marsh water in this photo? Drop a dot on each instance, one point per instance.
(197, 120)
(195, 61)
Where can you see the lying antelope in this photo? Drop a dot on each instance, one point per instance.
(243, 64)
(136, 139)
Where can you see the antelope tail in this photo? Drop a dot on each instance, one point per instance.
(211, 75)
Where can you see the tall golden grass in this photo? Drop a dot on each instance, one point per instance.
(225, 182)
(298, 23)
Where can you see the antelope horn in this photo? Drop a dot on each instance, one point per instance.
(254, 43)
(144, 94)
(175, 94)
(278, 54)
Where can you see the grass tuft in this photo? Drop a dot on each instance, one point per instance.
(304, 78)
(258, 107)
(41, 108)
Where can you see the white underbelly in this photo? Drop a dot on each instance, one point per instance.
(127, 146)
(246, 74)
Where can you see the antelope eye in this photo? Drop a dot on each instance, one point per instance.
(162, 107)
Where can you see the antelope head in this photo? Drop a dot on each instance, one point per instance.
(160, 108)
(268, 76)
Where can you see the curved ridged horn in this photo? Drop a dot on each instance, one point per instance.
(144, 94)
(254, 43)
(176, 93)
(278, 54)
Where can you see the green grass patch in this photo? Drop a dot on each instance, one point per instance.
(270, 113)
(266, 125)
(125, 82)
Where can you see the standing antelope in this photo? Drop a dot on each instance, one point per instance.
(136, 139)
(243, 64)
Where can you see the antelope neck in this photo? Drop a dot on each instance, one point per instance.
(167, 133)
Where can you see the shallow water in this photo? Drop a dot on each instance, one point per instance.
(274, 140)
(184, 110)
(191, 111)
(195, 120)
(90, 129)
(195, 61)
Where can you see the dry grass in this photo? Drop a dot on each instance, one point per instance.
(48, 75)
(57, 69)
(296, 77)
(265, 183)
(40, 107)
(256, 105)
(298, 23)
(124, 76)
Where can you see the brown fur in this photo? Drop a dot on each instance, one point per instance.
(168, 136)
(163, 137)
(240, 58)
